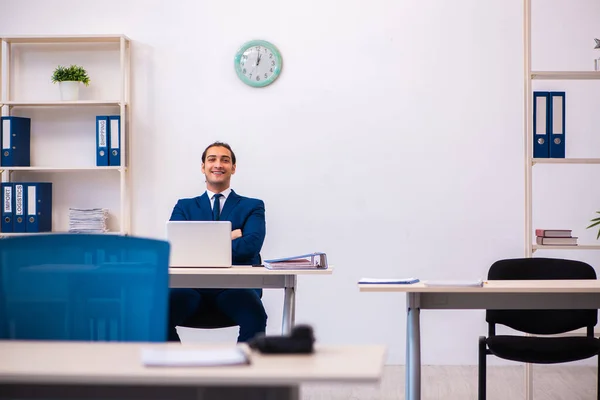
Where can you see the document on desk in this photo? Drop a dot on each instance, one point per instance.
(455, 283)
(193, 358)
(389, 281)
(315, 260)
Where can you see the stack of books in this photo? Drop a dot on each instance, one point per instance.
(555, 237)
(88, 220)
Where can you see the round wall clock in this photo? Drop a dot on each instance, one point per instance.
(258, 63)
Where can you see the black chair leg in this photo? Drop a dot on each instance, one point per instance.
(482, 368)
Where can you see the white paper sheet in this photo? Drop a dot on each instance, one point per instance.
(390, 281)
(193, 358)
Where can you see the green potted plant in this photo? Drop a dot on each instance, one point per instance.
(595, 221)
(69, 80)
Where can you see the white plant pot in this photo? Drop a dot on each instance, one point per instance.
(69, 90)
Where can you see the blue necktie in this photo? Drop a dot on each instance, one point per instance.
(217, 207)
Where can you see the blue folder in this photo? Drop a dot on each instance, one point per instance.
(8, 206)
(16, 146)
(39, 206)
(557, 125)
(20, 202)
(541, 119)
(114, 130)
(102, 138)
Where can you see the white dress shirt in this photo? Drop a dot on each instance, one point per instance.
(211, 196)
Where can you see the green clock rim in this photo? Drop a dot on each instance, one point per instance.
(246, 46)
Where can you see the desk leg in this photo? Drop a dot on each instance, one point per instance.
(289, 305)
(413, 348)
(528, 381)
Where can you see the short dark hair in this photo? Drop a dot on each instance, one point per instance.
(219, 144)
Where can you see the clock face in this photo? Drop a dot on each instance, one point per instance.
(258, 63)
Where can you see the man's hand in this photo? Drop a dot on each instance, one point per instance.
(236, 234)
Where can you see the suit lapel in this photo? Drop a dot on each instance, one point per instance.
(232, 200)
(204, 208)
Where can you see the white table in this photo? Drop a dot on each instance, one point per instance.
(516, 295)
(246, 277)
(100, 370)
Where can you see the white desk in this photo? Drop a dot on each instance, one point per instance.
(246, 277)
(516, 295)
(100, 370)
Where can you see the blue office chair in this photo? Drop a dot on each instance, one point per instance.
(90, 287)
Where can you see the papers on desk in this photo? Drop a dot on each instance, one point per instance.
(455, 283)
(392, 281)
(193, 358)
(315, 260)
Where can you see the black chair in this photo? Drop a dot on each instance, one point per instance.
(533, 349)
(210, 317)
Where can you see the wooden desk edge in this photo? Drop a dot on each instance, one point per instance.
(547, 286)
(132, 372)
(247, 270)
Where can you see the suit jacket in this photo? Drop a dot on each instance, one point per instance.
(244, 213)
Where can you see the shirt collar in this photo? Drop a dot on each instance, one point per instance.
(225, 193)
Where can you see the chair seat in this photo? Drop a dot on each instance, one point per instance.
(543, 350)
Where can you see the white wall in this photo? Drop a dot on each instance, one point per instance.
(393, 139)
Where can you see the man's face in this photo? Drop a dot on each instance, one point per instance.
(218, 168)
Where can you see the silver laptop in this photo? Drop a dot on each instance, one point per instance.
(200, 243)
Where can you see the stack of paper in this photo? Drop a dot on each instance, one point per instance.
(194, 358)
(389, 281)
(457, 283)
(306, 261)
(91, 220)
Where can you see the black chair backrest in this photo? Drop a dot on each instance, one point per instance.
(542, 322)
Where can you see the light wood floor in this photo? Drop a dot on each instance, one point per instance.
(460, 383)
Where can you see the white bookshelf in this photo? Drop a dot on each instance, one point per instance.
(40, 39)
(565, 75)
(115, 103)
(63, 133)
(565, 161)
(535, 247)
(62, 169)
(10, 234)
(529, 75)
(530, 162)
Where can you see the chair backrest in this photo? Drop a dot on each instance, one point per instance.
(542, 321)
(94, 287)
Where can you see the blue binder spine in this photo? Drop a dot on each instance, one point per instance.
(16, 135)
(541, 116)
(20, 220)
(557, 125)
(115, 140)
(8, 207)
(39, 207)
(102, 139)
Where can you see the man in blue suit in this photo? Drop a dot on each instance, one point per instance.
(247, 216)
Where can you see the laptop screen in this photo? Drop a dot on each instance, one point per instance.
(199, 243)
